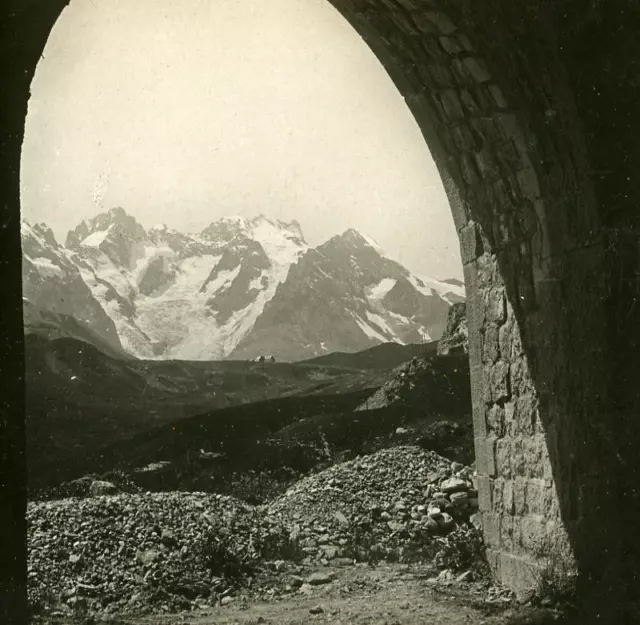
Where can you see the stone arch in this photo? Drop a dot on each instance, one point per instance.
(550, 250)
(512, 158)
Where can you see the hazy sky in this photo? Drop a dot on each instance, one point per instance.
(183, 111)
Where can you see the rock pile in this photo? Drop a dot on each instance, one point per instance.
(386, 506)
(136, 553)
(163, 552)
(89, 486)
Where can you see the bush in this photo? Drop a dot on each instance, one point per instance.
(234, 553)
(462, 549)
(278, 545)
(224, 561)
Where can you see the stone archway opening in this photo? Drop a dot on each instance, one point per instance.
(550, 275)
(497, 106)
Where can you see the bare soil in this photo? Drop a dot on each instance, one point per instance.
(359, 595)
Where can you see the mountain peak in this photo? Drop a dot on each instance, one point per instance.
(103, 223)
(353, 236)
(226, 228)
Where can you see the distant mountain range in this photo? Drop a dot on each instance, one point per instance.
(240, 288)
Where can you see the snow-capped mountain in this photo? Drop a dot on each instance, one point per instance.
(239, 288)
(55, 295)
(181, 296)
(346, 295)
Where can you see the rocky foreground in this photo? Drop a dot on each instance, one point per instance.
(128, 553)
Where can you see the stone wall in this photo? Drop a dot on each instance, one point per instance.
(489, 85)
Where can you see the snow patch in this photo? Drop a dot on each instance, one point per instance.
(378, 291)
(45, 267)
(374, 244)
(96, 238)
(424, 334)
(223, 279)
(368, 330)
(436, 287)
(381, 323)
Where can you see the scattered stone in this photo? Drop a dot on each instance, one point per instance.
(99, 487)
(467, 576)
(168, 539)
(318, 609)
(341, 518)
(158, 552)
(317, 579)
(459, 499)
(453, 485)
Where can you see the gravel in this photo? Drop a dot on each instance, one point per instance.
(136, 553)
(386, 506)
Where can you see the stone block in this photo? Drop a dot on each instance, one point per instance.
(528, 183)
(505, 338)
(503, 457)
(533, 534)
(482, 465)
(483, 97)
(463, 137)
(519, 378)
(441, 21)
(470, 242)
(486, 165)
(520, 573)
(497, 495)
(459, 206)
(519, 498)
(537, 496)
(488, 275)
(495, 303)
(469, 102)
(470, 173)
(509, 413)
(495, 420)
(465, 42)
(450, 101)
(493, 560)
(451, 45)
(490, 446)
(509, 129)
(498, 96)
(491, 526)
(507, 523)
(500, 389)
(484, 493)
(518, 457)
(476, 69)
(525, 412)
(507, 497)
(479, 416)
(475, 304)
(487, 374)
(441, 75)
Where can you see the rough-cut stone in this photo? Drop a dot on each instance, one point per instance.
(100, 487)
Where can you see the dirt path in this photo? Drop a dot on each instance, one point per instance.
(389, 595)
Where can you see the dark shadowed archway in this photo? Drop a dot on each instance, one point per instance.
(529, 111)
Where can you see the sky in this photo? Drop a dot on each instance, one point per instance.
(184, 111)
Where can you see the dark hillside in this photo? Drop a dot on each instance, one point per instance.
(384, 356)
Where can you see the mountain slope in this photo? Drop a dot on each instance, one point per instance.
(346, 295)
(55, 296)
(238, 289)
(178, 296)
